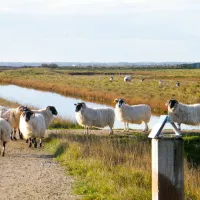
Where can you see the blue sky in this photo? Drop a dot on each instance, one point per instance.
(99, 30)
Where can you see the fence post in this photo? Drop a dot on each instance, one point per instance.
(167, 169)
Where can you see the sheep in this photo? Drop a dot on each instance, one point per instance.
(132, 114)
(127, 78)
(96, 117)
(111, 78)
(12, 115)
(47, 113)
(5, 131)
(178, 84)
(32, 125)
(183, 113)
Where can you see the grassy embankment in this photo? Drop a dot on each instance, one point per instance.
(97, 87)
(118, 167)
(58, 123)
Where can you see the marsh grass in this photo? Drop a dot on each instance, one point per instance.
(98, 88)
(117, 167)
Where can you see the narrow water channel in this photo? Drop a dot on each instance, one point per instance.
(64, 105)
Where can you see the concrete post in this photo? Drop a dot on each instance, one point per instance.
(167, 169)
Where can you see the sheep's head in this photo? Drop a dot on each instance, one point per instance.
(27, 115)
(172, 104)
(79, 106)
(52, 109)
(119, 102)
(23, 109)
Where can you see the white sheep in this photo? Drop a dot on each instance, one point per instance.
(47, 113)
(183, 113)
(5, 131)
(127, 78)
(32, 125)
(135, 114)
(12, 115)
(96, 117)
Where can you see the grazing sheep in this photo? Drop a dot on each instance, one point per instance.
(183, 113)
(48, 114)
(135, 114)
(32, 125)
(127, 78)
(178, 84)
(96, 117)
(12, 115)
(111, 78)
(5, 131)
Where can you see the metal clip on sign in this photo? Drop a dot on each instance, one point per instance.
(156, 131)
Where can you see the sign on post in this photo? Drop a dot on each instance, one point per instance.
(167, 163)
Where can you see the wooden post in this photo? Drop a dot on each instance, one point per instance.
(167, 169)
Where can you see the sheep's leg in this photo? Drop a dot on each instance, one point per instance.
(20, 134)
(3, 149)
(111, 131)
(35, 142)
(179, 126)
(124, 126)
(41, 142)
(11, 135)
(127, 126)
(14, 134)
(146, 127)
(30, 143)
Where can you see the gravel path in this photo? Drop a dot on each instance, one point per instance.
(27, 174)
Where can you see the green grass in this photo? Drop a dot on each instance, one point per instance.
(115, 167)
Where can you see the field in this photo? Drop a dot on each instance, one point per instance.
(118, 166)
(94, 85)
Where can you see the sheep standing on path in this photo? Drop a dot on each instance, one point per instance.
(5, 131)
(183, 113)
(96, 117)
(12, 115)
(32, 125)
(135, 114)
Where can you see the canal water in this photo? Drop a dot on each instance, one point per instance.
(64, 105)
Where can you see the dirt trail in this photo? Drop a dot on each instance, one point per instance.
(27, 174)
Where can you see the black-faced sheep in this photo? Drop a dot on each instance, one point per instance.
(183, 113)
(135, 114)
(96, 117)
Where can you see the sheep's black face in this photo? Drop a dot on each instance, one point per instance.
(53, 110)
(120, 103)
(27, 115)
(78, 107)
(172, 103)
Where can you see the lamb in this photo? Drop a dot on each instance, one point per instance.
(96, 117)
(5, 131)
(127, 78)
(132, 114)
(183, 113)
(32, 125)
(12, 115)
(47, 113)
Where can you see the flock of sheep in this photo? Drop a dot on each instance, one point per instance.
(32, 124)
